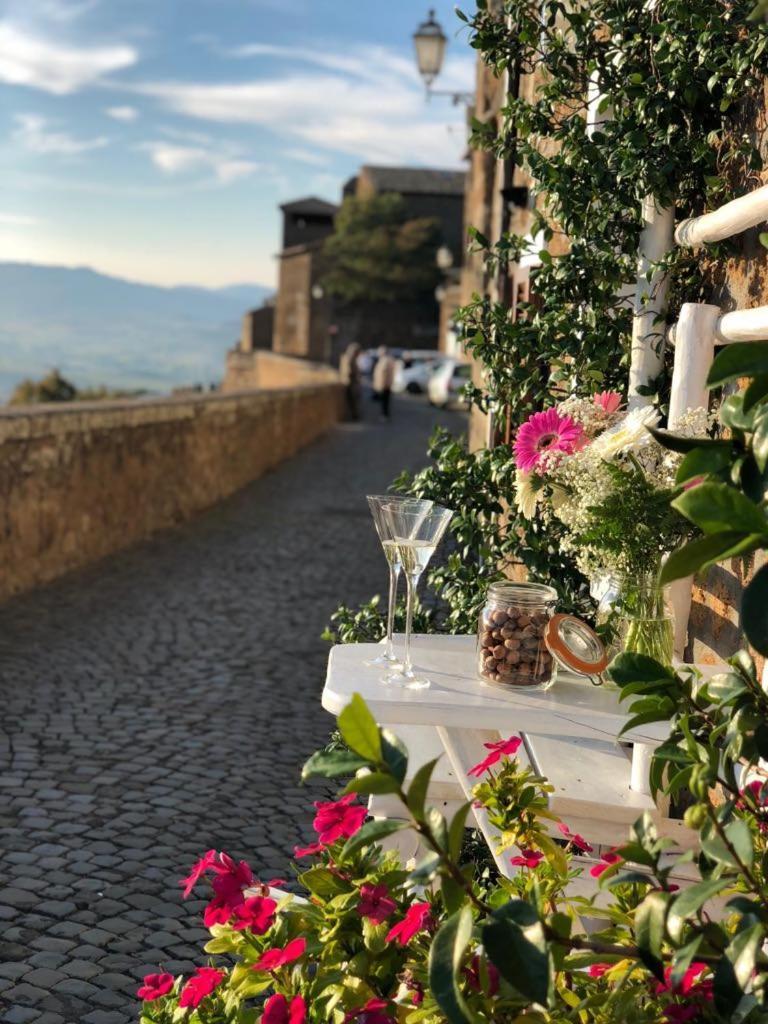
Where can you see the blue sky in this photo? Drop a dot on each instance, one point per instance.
(154, 139)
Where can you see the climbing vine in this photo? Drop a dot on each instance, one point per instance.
(673, 74)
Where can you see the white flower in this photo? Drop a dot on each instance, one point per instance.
(526, 497)
(630, 434)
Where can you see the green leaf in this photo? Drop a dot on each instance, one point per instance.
(735, 969)
(515, 942)
(359, 729)
(703, 462)
(683, 445)
(372, 782)
(763, 237)
(395, 755)
(684, 957)
(732, 414)
(742, 359)
(650, 918)
(693, 898)
(417, 791)
(754, 611)
(330, 763)
(322, 882)
(426, 869)
(445, 956)
(703, 552)
(456, 831)
(718, 508)
(372, 832)
(740, 838)
(756, 392)
(633, 668)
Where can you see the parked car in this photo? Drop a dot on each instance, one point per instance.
(414, 370)
(446, 382)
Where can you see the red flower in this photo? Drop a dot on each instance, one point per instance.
(337, 819)
(274, 958)
(275, 883)
(573, 837)
(688, 982)
(416, 918)
(155, 987)
(231, 878)
(218, 911)
(693, 991)
(605, 862)
(598, 970)
(371, 1013)
(308, 851)
(375, 903)
(204, 981)
(256, 914)
(528, 859)
(277, 1010)
(498, 750)
(472, 971)
(198, 870)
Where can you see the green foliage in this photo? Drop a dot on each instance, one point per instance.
(377, 253)
(55, 388)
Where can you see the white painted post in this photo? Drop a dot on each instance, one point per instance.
(694, 338)
(640, 771)
(648, 338)
(743, 325)
(733, 218)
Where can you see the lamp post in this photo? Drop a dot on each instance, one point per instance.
(430, 42)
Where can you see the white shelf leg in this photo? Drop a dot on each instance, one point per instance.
(639, 778)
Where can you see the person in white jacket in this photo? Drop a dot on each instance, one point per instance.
(383, 378)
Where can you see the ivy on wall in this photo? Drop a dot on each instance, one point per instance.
(674, 74)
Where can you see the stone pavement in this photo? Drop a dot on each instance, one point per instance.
(161, 703)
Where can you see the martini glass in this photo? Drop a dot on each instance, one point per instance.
(416, 536)
(416, 507)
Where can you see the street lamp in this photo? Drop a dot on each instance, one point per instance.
(430, 42)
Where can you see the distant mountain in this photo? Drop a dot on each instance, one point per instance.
(101, 330)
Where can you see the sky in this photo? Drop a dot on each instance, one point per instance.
(155, 139)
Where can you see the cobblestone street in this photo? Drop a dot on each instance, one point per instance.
(160, 704)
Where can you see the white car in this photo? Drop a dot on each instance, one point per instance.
(445, 385)
(414, 370)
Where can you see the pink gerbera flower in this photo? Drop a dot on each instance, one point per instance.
(546, 432)
(608, 401)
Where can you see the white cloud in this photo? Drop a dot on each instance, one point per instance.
(307, 156)
(28, 59)
(122, 113)
(18, 220)
(175, 159)
(36, 134)
(370, 106)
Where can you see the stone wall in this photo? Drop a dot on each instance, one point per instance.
(269, 370)
(81, 480)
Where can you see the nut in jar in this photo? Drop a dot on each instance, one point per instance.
(511, 645)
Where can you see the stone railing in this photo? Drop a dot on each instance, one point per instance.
(80, 480)
(262, 369)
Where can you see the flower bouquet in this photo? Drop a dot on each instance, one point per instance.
(600, 473)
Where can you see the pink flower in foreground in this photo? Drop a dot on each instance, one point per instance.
(219, 911)
(416, 918)
(598, 970)
(605, 862)
(256, 914)
(337, 819)
(198, 870)
(308, 851)
(375, 903)
(694, 992)
(473, 975)
(689, 980)
(204, 981)
(546, 432)
(573, 837)
(371, 1013)
(231, 877)
(608, 401)
(502, 748)
(277, 1010)
(271, 959)
(528, 859)
(155, 987)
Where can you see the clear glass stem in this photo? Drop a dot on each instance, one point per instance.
(411, 582)
(394, 575)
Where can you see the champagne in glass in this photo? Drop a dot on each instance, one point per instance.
(416, 537)
(376, 503)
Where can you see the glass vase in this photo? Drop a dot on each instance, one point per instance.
(634, 615)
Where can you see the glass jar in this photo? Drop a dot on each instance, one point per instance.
(510, 648)
(635, 615)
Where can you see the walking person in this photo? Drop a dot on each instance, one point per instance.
(383, 378)
(349, 371)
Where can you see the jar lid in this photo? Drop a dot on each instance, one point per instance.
(575, 645)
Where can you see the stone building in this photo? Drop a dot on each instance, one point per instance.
(302, 312)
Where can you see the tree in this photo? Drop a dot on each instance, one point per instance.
(52, 388)
(378, 254)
